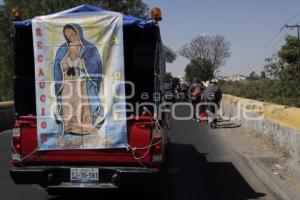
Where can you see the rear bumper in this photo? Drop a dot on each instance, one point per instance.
(109, 177)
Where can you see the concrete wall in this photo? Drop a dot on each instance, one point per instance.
(6, 115)
(280, 124)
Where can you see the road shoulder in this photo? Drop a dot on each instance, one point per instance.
(268, 162)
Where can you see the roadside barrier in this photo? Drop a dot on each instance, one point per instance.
(277, 123)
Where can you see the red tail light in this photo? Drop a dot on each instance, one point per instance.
(157, 145)
(16, 146)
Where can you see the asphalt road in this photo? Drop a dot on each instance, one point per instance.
(201, 166)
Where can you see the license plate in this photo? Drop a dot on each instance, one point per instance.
(84, 175)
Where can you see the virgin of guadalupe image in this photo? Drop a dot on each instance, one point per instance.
(78, 77)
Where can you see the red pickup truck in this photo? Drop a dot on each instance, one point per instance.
(141, 163)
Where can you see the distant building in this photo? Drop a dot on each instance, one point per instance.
(233, 78)
(182, 79)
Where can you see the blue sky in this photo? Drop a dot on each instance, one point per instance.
(250, 26)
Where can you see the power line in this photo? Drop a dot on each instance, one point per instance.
(249, 65)
(260, 52)
(272, 49)
(293, 17)
(275, 46)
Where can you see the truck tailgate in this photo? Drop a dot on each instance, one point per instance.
(139, 135)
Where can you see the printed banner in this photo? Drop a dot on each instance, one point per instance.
(79, 72)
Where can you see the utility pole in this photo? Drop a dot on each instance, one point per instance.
(298, 45)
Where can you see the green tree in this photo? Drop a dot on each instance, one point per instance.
(170, 55)
(273, 67)
(281, 84)
(202, 69)
(168, 77)
(284, 68)
(289, 51)
(42, 7)
(284, 65)
(263, 75)
(253, 76)
(289, 55)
